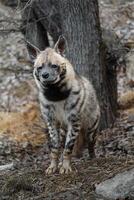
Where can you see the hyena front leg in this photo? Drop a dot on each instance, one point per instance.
(54, 148)
(53, 137)
(72, 133)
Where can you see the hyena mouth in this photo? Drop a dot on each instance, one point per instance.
(50, 82)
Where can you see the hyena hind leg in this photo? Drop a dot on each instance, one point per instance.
(91, 140)
(79, 144)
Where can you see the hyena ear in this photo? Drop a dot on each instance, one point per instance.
(33, 50)
(60, 45)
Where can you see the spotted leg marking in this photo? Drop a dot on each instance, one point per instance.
(73, 131)
(53, 137)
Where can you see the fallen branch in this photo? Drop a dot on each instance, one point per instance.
(9, 30)
(6, 167)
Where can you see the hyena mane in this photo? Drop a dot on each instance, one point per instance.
(68, 105)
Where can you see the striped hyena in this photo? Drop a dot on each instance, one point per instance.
(68, 104)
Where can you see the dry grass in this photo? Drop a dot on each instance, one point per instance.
(25, 126)
(126, 101)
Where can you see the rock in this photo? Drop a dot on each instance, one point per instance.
(12, 3)
(120, 186)
(17, 84)
(6, 167)
(119, 19)
(131, 118)
(116, 2)
(130, 65)
(115, 51)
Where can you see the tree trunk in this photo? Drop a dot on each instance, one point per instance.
(32, 28)
(78, 20)
(39, 18)
(81, 27)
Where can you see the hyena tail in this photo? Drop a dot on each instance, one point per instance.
(91, 137)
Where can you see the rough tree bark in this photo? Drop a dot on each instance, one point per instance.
(39, 18)
(81, 27)
(78, 20)
(32, 28)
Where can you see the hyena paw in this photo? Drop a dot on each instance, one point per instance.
(51, 169)
(65, 169)
(60, 165)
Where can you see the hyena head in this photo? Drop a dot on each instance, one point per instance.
(50, 66)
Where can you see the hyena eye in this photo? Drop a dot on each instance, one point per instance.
(39, 68)
(54, 66)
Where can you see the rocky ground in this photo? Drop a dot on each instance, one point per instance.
(22, 140)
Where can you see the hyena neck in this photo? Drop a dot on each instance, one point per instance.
(56, 92)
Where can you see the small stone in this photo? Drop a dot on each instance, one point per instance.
(131, 118)
(120, 186)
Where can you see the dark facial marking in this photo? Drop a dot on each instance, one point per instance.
(63, 74)
(37, 74)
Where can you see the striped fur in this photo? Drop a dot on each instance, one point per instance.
(68, 104)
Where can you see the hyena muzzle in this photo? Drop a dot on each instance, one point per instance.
(68, 105)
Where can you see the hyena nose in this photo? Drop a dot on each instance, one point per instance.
(45, 75)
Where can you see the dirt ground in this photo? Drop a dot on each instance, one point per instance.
(28, 181)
